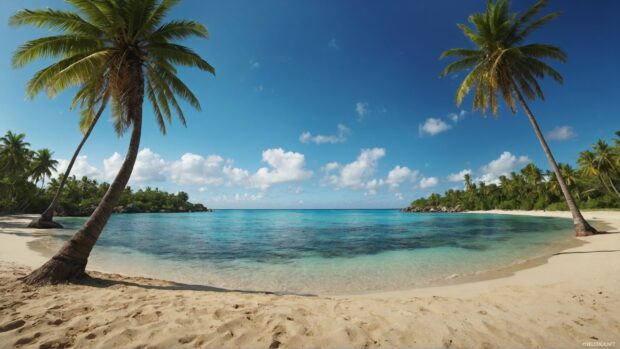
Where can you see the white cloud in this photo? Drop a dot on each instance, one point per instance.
(456, 117)
(284, 167)
(373, 186)
(428, 182)
(398, 175)
(80, 168)
(195, 169)
(433, 126)
(355, 174)
(149, 167)
(399, 196)
(236, 175)
(361, 108)
(112, 165)
(299, 190)
(561, 133)
(458, 177)
(506, 163)
(343, 131)
(254, 64)
(333, 44)
(237, 197)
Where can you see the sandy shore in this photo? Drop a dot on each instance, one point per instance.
(572, 300)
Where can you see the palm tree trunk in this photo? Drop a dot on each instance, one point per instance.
(613, 186)
(582, 228)
(45, 221)
(69, 263)
(600, 178)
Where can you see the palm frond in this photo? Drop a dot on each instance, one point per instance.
(54, 46)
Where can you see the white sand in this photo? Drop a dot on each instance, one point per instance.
(572, 300)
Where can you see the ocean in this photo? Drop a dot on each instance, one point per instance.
(319, 251)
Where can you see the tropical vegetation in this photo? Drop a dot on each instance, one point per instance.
(114, 52)
(592, 185)
(28, 181)
(22, 170)
(502, 64)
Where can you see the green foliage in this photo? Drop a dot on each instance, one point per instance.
(593, 185)
(500, 64)
(21, 169)
(98, 49)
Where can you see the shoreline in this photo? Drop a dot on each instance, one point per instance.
(37, 246)
(568, 300)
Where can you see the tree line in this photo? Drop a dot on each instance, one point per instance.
(27, 185)
(594, 185)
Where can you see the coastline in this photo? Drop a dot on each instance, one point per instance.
(566, 300)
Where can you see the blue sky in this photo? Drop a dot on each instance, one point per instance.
(329, 104)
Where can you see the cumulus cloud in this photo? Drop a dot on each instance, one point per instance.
(399, 196)
(340, 137)
(149, 167)
(399, 175)
(194, 169)
(80, 168)
(458, 177)
(433, 126)
(503, 165)
(284, 167)
(561, 133)
(428, 182)
(456, 117)
(356, 174)
(361, 108)
(112, 165)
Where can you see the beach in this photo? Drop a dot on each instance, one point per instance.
(570, 299)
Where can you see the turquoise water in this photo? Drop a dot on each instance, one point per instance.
(319, 251)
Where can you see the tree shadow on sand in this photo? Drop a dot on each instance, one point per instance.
(100, 280)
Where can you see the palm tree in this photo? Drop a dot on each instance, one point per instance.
(14, 153)
(605, 163)
(589, 167)
(42, 166)
(116, 51)
(502, 64)
(45, 221)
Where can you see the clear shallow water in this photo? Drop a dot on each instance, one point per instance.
(319, 251)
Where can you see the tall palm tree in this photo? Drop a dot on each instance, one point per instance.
(605, 162)
(501, 64)
(43, 165)
(589, 167)
(116, 50)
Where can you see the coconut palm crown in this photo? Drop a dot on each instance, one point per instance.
(502, 64)
(114, 52)
(94, 50)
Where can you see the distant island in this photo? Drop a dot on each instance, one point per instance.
(23, 186)
(593, 185)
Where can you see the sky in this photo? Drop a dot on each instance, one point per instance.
(325, 104)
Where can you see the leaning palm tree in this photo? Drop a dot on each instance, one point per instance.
(114, 51)
(501, 64)
(606, 163)
(589, 167)
(87, 124)
(42, 166)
